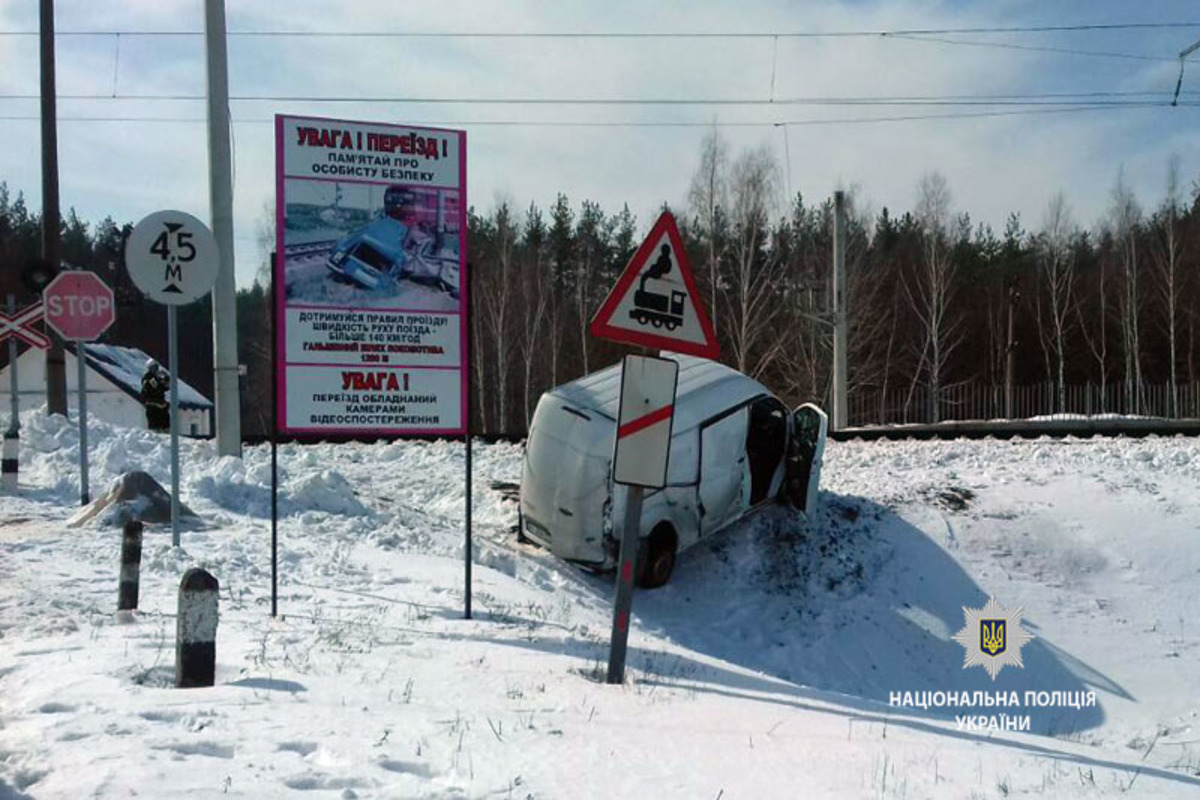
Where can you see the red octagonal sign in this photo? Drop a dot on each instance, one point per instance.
(79, 306)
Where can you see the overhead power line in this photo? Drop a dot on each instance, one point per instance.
(998, 29)
(1112, 98)
(649, 123)
(1069, 51)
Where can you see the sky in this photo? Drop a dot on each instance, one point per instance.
(126, 157)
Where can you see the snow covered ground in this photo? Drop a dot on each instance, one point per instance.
(764, 669)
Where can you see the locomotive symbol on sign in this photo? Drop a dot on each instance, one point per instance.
(663, 307)
(655, 303)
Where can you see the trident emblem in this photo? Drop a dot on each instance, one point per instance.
(991, 636)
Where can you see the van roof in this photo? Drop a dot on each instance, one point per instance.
(704, 388)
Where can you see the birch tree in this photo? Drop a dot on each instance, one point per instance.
(751, 286)
(497, 293)
(708, 197)
(1170, 244)
(1057, 265)
(1125, 218)
(535, 294)
(931, 291)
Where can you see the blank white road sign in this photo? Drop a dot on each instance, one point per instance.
(644, 421)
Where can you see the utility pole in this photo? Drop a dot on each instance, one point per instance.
(1010, 347)
(220, 193)
(56, 362)
(840, 321)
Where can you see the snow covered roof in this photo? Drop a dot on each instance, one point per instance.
(703, 384)
(125, 366)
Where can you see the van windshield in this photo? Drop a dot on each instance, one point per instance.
(370, 256)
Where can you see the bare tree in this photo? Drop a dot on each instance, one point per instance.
(535, 296)
(1171, 242)
(1125, 219)
(591, 242)
(1057, 266)
(931, 292)
(708, 196)
(1097, 339)
(750, 289)
(497, 294)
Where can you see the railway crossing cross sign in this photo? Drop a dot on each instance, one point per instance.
(20, 326)
(655, 302)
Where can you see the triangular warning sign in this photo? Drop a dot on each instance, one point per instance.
(655, 303)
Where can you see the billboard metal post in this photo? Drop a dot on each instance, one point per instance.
(274, 446)
(467, 438)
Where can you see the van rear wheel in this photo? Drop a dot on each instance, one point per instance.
(656, 558)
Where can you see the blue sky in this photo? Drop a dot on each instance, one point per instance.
(995, 164)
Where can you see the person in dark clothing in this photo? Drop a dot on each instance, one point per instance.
(154, 397)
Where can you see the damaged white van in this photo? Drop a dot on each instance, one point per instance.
(734, 447)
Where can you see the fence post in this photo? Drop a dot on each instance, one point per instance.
(196, 630)
(131, 565)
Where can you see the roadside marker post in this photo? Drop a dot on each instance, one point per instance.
(131, 565)
(196, 630)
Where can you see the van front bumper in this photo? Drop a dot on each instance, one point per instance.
(592, 556)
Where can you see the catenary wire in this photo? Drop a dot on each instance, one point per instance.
(643, 123)
(863, 33)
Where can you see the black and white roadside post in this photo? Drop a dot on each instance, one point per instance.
(12, 440)
(131, 565)
(196, 630)
(640, 456)
(172, 258)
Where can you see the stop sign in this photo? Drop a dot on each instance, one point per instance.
(79, 306)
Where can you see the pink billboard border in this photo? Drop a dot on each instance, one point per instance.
(277, 290)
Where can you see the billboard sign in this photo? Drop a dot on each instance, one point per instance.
(370, 278)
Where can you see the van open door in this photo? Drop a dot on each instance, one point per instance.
(806, 451)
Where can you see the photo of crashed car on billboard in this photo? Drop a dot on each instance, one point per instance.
(352, 244)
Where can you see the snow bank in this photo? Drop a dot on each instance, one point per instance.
(766, 664)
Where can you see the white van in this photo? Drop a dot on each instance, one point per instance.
(734, 447)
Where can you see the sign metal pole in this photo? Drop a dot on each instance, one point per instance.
(467, 440)
(274, 439)
(81, 380)
(173, 358)
(626, 569)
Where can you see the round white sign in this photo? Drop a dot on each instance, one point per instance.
(172, 257)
